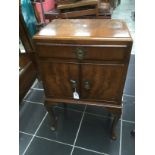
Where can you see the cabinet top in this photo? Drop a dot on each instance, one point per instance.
(85, 29)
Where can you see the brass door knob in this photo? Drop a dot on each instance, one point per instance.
(87, 85)
(73, 83)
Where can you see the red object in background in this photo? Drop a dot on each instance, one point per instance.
(47, 5)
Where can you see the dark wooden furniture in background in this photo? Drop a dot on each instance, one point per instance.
(87, 56)
(27, 61)
(80, 9)
(77, 9)
(27, 75)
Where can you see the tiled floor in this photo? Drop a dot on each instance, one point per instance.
(82, 130)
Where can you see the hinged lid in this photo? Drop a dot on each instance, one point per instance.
(85, 29)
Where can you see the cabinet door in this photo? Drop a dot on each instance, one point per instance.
(101, 82)
(58, 79)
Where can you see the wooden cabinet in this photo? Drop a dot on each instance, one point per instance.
(86, 56)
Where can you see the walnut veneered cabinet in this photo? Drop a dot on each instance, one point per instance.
(84, 61)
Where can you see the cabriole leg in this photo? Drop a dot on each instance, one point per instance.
(114, 123)
(117, 114)
(52, 115)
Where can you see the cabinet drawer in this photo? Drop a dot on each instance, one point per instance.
(91, 52)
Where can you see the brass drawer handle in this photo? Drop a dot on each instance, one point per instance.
(87, 85)
(80, 53)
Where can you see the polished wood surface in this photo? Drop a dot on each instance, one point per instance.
(23, 60)
(58, 85)
(86, 29)
(94, 54)
(104, 80)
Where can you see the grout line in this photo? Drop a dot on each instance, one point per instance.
(35, 133)
(82, 148)
(53, 140)
(128, 95)
(125, 102)
(128, 121)
(40, 89)
(78, 131)
(40, 137)
(41, 123)
(28, 145)
(120, 146)
(35, 82)
(27, 94)
(30, 89)
(40, 103)
(26, 133)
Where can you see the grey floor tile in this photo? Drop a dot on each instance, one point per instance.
(128, 141)
(83, 152)
(36, 96)
(23, 142)
(95, 135)
(98, 111)
(128, 99)
(132, 59)
(68, 123)
(77, 107)
(38, 85)
(129, 88)
(129, 112)
(131, 71)
(30, 116)
(45, 147)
